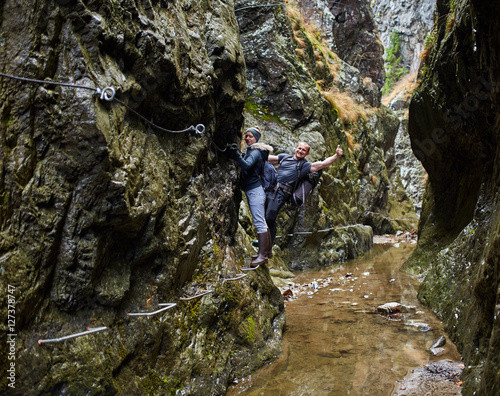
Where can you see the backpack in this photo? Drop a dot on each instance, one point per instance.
(268, 176)
(304, 187)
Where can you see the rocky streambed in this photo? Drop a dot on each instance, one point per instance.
(358, 328)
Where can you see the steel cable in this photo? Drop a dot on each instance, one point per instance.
(107, 94)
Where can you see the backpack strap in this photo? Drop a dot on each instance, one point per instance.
(280, 186)
(288, 188)
(285, 156)
(299, 166)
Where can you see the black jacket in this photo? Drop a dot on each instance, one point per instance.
(251, 165)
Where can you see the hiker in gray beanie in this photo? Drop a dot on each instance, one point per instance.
(255, 131)
(251, 164)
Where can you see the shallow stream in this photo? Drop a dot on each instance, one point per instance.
(335, 342)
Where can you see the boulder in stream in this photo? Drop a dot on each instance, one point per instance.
(391, 308)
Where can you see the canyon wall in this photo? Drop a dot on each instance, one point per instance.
(453, 125)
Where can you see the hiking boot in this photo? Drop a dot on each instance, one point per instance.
(269, 253)
(264, 242)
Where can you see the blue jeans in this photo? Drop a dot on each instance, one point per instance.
(257, 200)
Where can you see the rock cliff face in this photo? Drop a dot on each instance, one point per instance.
(114, 207)
(104, 214)
(290, 73)
(285, 101)
(407, 167)
(350, 30)
(412, 20)
(355, 38)
(454, 130)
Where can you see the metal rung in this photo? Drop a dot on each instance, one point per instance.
(89, 331)
(238, 277)
(250, 269)
(196, 296)
(170, 305)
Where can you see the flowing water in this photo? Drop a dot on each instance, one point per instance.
(335, 342)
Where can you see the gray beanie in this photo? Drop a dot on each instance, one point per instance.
(256, 134)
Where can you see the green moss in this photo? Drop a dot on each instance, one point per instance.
(230, 295)
(274, 310)
(249, 329)
(240, 262)
(394, 72)
(262, 112)
(450, 17)
(154, 384)
(216, 248)
(429, 41)
(194, 309)
(9, 121)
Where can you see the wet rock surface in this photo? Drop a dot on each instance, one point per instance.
(436, 348)
(392, 308)
(458, 246)
(436, 379)
(103, 214)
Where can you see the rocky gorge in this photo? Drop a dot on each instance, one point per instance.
(112, 208)
(453, 125)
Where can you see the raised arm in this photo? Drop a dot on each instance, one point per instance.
(273, 159)
(316, 166)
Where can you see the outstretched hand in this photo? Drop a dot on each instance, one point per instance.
(316, 166)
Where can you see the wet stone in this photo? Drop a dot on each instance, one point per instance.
(438, 378)
(437, 347)
(391, 308)
(441, 341)
(437, 351)
(423, 327)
